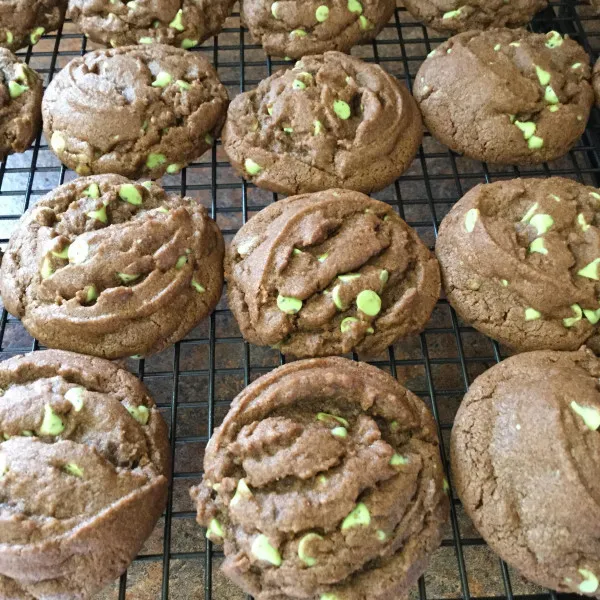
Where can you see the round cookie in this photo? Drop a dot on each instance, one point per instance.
(295, 28)
(506, 96)
(330, 273)
(135, 111)
(519, 262)
(526, 464)
(331, 121)
(20, 104)
(465, 15)
(324, 481)
(181, 23)
(84, 470)
(112, 268)
(23, 22)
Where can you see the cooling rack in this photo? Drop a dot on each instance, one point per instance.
(195, 381)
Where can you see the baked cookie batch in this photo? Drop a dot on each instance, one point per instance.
(324, 481)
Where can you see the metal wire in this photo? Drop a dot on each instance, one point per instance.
(195, 381)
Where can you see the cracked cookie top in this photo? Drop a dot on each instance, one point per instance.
(295, 28)
(84, 454)
(112, 268)
(324, 481)
(181, 23)
(526, 464)
(520, 260)
(135, 111)
(465, 15)
(328, 273)
(506, 96)
(331, 121)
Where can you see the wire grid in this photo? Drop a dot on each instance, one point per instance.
(195, 381)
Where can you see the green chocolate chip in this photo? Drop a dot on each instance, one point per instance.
(394, 426)
(163, 79)
(554, 39)
(58, 142)
(384, 276)
(274, 8)
(349, 277)
(359, 517)
(140, 413)
(99, 215)
(146, 40)
(46, 269)
(553, 108)
(177, 22)
(298, 85)
(92, 191)
(354, 6)
(322, 13)
(78, 251)
(342, 109)
(127, 278)
(181, 261)
(198, 287)
(535, 142)
(398, 460)
(174, 169)
(36, 34)
(288, 304)
(527, 127)
(73, 469)
(75, 397)
(504, 282)
(263, 550)
(183, 85)
(242, 491)
(532, 315)
(327, 418)
(155, 160)
(381, 535)
(209, 139)
(369, 302)
(9, 37)
(129, 193)
(215, 529)
(591, 270)
(452, 14)
(471, 218)
(303, 550)
(251, 167)
(346, 324)
(542, 223)
(589, 414)
(16, 89)
(543, 76)
(64, 253)
(538, 245)
(365, 24)
(529, 214)
(590, 583)
(340, 432)
(27, 433)
(317, 127)
(571, 321)
(300, 33)
(335, 296)
(593, 316)
(187, 43)
(323, 257)
(52, 424)
(582, 222)
(328, 597)
(550, 95)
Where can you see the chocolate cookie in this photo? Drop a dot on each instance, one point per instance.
(460, 15)
(135, 111)
(526, 464)
(111, 268)
(23, 22)
(596, 82)
(84, 469)
(520, 262)
(295, 28)
(330, 273)
(331, 121)
(324, 481)
(181, 23)
(20, 104)
(506, 96)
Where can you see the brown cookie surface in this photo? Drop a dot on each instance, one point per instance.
(464, 15)
(21, 92)
(519, 261)
(135, 111)
(181, 23)
(526, 459)
(506, 96)
(324, 481)
(107, 267)
(23, 22)
(328, 273)
(295, 28)
(84, 469)
(331, 121)
(596, 81)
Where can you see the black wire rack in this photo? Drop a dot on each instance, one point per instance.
(195, 381)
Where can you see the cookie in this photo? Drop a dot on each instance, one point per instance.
(181, 23)
(84, 470)
(526, 464)
(295, 28)
(20, 104)
(596, 82)
(330, 273)
(506, 96)
(138, 111)
(519, 262)
(23, 22)
(331, 121)
(112, 268)
(457, 15)
(324, 481)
